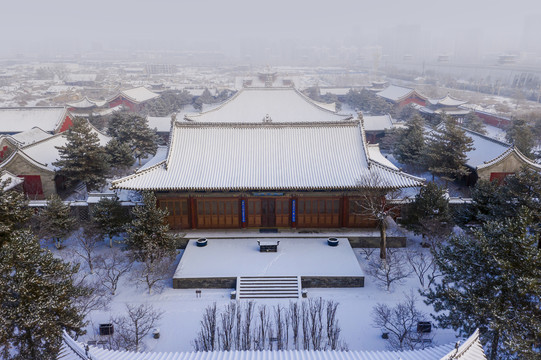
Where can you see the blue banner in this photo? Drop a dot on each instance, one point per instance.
(293, 210)
(243, 210)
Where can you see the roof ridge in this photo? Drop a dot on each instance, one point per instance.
(136, 174)
(336, 123)
(188, 117)
(20, 152)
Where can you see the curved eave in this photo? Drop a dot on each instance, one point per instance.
(505, 155)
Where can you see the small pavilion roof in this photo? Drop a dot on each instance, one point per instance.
(86, 103)
(138, 94)
(396, 93)
(447, 100)
(377, 123)
(282, 105)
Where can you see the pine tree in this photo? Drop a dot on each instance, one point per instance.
(110, 217)
(429, 214)
(82, 158)
(133, 130)
(120, 154)
(491, 281)
(411, 144)
(474, 123)
(37, 297)
(446, 150)
(147, 235)
(14, 211)
(521, 135)
(55, 220)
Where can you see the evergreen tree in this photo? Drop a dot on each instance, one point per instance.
(120, 154)
(82, 158)
(491, 281)
(429, 212)
(474, 123)
(55, 220)
(110, 217)
(147, 235)
(488, 203)
(446, 150)
(14, 212)
(411, 145)
(37, 297)
(133, 130)
(521, 135)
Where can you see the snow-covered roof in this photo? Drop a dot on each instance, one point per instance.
(162, 123)
(46, 152)
(447, 100)
(375, 154)
(13, 180)
(485, 149)
(471, 349)
(282, 105)
(14, 120)
(509, 152)
(301, 156)
(86, 103)
(161, 155)
(377, 123)
(139, 94)
(31, 136)
(397, 93)
(20, 153)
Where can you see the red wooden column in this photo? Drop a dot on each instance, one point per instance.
(193, 212)
(345, 211)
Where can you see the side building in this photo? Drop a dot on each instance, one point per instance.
(266, 158)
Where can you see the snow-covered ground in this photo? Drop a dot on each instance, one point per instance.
(183, 310)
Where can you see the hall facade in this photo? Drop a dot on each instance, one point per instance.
(267, 158)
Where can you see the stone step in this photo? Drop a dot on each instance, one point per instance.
(268, 287)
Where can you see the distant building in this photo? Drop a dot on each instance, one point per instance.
(132, 99)
(402, 96)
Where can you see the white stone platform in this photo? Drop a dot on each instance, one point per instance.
(231, 258)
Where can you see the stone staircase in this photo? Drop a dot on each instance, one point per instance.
(269, 287)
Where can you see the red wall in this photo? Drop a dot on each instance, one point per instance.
(122, 101)
(493, 120)
(68, 122)
(413, 99)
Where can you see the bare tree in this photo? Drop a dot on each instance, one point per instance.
(391, 270)
(206, 339)
(112, 267)
(374, 206)
(294, 315)
(247, 325)
(279, 315)
(130, 329)
(96, 298)
(263, 329)
(400, 322)
(227, 326)
(86, 240)
(367, 252)
(152, 271)
(423, 265)
(316, 322)
(333, 330)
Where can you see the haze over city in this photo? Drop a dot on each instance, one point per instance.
(273, 32)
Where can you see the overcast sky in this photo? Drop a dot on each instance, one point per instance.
(78, 26)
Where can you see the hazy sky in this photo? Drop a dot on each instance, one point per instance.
(79, 26)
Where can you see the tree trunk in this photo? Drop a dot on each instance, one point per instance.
(383, 240)
(494, 346)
